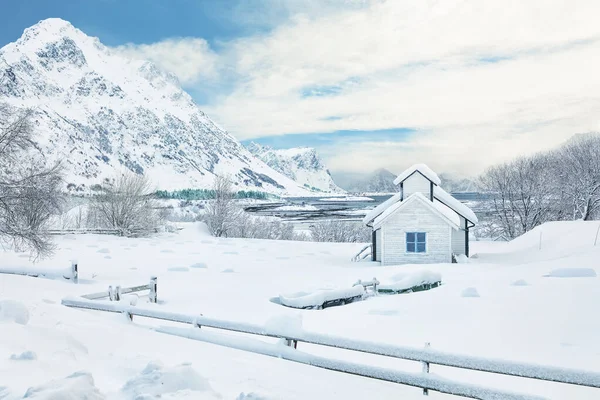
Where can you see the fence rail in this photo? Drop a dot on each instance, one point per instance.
(423, 355)
(71, 273)
(114, 294)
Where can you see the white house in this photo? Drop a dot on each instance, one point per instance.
(422, 223)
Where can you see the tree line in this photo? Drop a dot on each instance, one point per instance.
(558, 185)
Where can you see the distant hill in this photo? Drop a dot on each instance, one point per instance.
(453, 184)
(378, 181)
(301, 164)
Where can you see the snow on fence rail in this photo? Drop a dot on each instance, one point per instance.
(71, 273)
(115, 294)
(426, 356)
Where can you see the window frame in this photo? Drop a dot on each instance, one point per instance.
(415, 242)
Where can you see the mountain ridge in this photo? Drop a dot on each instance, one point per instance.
(101, 113)
(301, 164)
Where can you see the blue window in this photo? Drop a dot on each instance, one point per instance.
(416, 242)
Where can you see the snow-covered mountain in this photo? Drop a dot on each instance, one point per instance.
(379, 181)
(301, 164)
(455, 184)
(98, 112)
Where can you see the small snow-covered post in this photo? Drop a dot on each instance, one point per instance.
(375, 283)
(597, 232)
(111, 293)
(153, 289)
(118, 293)
(291, 343)
(74, 272)
(426, 369)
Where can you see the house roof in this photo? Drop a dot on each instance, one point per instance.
(371, 215)
(439, 194)
(423, 169)
(446, 198)
(447, 214)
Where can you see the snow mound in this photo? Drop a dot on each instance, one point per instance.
(180, 381)
(470, 292)
(14, 311)
(199, 265)
(78, 386)
(462, 259)
(291, 324)
(402, 281)
(251, 396)
(179, 269)
(26, 355)
(228, 271)
(520, 282)
(103, 251)
(320, 297)
(572, 273)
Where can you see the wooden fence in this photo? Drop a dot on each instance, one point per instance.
(71, 273)
(116, 293)
(425, 356)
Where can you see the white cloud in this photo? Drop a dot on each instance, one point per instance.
(426, 65)
(190, 59)
(482, 81)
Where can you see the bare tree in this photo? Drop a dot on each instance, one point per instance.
(522, 194)
(340, 231)
(578, 172)
(29, 190)
(222, 213)
(127, 205)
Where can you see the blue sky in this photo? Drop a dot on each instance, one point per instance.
(369, 83)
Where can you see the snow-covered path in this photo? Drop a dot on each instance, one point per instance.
(519, 315)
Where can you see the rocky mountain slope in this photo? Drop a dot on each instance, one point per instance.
(100, 113)
(301, 164)
(379, 181)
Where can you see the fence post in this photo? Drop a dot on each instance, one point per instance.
(375, 283)
(597, 231)
(291, 343)
(118, 293)
(74, 272)
(426, 369)
(111, 293)
(153, 289)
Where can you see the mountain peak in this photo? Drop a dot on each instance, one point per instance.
(99, 113)
(302, 164)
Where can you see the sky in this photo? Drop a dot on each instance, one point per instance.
(457, 84)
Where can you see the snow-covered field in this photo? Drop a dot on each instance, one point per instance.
(513, 301)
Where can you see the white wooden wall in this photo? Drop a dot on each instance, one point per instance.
(415, 217)
(416, 183)
(458, 238)
(378, 245)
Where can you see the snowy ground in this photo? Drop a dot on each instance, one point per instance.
(500, 305)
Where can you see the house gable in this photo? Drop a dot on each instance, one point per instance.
(444, 213)
(415, 215)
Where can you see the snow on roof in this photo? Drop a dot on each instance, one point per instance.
(371, 215)
(446, 198)
(446, 212)
(423, 169)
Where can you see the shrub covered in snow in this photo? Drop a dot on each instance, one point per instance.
(340, 231)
